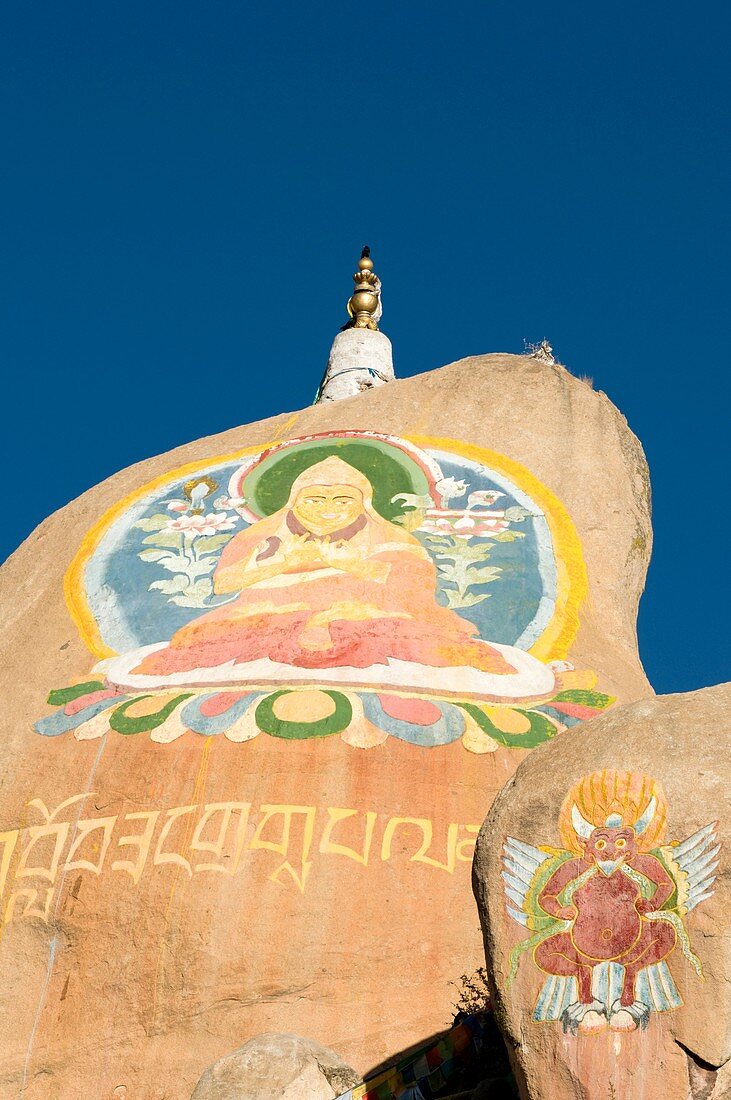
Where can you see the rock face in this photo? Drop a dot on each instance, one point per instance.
(277, 1067)
(603, 883)
(289, 669)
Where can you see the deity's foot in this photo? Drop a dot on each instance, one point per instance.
(628, 1017)
(593, 1022)
(586, 1018)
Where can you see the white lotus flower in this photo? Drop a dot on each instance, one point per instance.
(229, 502)
(483, 498)
(449, 487)
(190, 527)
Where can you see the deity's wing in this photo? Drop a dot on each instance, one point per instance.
(693, 863)
(521, 867)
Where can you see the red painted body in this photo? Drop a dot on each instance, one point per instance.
(607, 913)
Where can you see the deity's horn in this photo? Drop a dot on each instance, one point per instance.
(645, 817)
(581, 826)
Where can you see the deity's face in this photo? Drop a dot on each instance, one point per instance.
(610, 848)
(324, 509)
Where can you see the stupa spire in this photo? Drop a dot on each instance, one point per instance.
(361, 355)
(364, 305)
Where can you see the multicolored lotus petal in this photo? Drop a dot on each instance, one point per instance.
(94, 727)
(144, 717)
(60, 722)
(245, 727)
(216, 712)
(364, 719)
(171, 729)
(540, 728)
(297, 715)
(474, 738)
(561, 720)
(61, 696)
(361, 733)
(418, 721)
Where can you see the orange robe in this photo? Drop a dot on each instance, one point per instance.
(355, 598)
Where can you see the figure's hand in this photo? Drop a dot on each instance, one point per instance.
(342, 556)
(337, 554)
(568, 912)
(303, 551)
(644, 905)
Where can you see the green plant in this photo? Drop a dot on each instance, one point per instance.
(473, 993)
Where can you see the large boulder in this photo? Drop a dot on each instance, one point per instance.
(277, 1067)
(603, 882)
(193, 851)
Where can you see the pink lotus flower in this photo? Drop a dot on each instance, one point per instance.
(475, 526)
(465, 525)
(192, 526)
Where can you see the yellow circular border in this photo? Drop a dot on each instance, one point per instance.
(572, 584)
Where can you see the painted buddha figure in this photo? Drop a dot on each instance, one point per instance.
(327, 583)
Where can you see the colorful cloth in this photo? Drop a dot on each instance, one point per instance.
(427, 1070)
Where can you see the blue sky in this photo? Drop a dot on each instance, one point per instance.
(170, 172)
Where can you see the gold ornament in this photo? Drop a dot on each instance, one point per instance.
(365, 300)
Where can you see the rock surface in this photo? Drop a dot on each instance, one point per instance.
(679, 745)
(359, 360)
(139, 941)
(277, 1067)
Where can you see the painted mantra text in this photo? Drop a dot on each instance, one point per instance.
(208, 838)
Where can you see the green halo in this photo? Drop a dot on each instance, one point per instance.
(389, 470)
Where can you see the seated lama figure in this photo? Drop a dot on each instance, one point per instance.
(326, 583)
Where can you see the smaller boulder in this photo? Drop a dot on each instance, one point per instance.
(277, 1067)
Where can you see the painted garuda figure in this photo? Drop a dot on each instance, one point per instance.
(607, 911)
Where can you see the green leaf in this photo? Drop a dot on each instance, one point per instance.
(194, 595)
(158, 555)
(445, 570)
(164, 539)
(208, 544)
(508, 536)
(171, 586)
(484, 575)
(469, 553)
(439, 540)
(584, 698)
(153, 523)
(200, 568)
(516, 514)
(468, 600)
(177, 562)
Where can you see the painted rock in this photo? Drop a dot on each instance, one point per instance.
(602, 880)
(258, 695)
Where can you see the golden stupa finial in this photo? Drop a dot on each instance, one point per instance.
(364, 305)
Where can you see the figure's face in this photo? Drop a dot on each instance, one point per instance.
(610, 848)
(323, 509)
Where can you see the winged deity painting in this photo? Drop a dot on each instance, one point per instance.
(607, 911)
